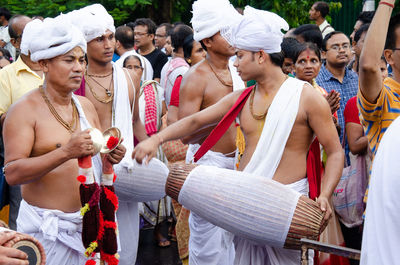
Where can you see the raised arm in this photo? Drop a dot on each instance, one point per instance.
(185, 126)
(320, 120)
(369, 71)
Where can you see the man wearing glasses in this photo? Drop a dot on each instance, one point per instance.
(144, 32)
(16, 80)
(161, 36)
(334, 74)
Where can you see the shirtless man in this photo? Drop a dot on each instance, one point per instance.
(306, 111)
(202, 86)
(111, 89)
(44, 133)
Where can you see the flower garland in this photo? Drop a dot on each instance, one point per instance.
(99, 204)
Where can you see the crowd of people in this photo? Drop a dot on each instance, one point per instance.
(308, 103)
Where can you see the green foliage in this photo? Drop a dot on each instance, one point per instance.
(295, 12)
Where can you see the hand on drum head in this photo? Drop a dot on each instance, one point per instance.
(325, 206)
(147, 148)
(9, 255)
(79, 145)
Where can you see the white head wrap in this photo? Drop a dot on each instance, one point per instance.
(259, 30)
(28, 34)
(92, 20)
(51, 38)
(212, 16)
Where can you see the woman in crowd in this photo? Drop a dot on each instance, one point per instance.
(151, 101)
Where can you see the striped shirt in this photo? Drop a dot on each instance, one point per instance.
(376, 117)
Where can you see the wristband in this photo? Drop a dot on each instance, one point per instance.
(386, 3)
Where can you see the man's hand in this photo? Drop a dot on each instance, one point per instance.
(325, 206)
(9, 255)
(79, 145)
(117, 154)
(146, 148)
(333, 99)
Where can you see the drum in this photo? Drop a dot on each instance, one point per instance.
(29, 245)
(252, 207)
(144, 183)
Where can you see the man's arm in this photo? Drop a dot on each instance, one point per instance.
(190, 100)
(320, 121)
(358, 142)
(369, 71)
(19, 138)
(186, 126)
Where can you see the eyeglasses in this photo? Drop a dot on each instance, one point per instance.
(336, 47)
(160, 36)
(395, 49)
(140, 34)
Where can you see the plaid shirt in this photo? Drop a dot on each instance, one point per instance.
(347, 89)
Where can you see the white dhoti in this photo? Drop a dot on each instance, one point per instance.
(59, 233)
(209, 244)
(250, 253)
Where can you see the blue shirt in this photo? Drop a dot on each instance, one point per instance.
(347, 89)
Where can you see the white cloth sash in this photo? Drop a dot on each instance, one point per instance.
(96, 160)
(277, 128)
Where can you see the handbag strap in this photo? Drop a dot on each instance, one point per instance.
(223, 125)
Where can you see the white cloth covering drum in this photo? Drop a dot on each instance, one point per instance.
(261, 212)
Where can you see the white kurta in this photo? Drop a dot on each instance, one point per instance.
(381, 236)
(209, 244)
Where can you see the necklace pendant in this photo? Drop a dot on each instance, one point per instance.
(108, 92)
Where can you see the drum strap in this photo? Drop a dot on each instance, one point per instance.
(223, 125)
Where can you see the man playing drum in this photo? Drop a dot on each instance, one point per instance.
(44, 133)
(279, 121)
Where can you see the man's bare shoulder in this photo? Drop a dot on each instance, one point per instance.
(312, 99)
(26, 106)
(197, 73)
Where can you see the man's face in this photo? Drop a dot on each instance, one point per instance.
(142, 37)
(160, 37)
(356, 27)
(65, 70)
(359, 45)
(219, 45)
(338, 52)
(313, 13)
(18, 27)
(393, 56)
(287, 66)
(384, 70)
(246, 64)
(101, 49)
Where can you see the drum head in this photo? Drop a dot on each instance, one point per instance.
(31, 250)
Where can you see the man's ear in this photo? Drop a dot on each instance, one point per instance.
(44, 64)
(262, 56)
(323, 55)
(388, 53)
(207, 42)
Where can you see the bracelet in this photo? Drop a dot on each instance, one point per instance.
(386, 3)
(160, 140)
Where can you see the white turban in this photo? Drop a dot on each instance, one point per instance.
(259, 30)
(92, 20)
(212, 16)
(28, 34)
(51, 38)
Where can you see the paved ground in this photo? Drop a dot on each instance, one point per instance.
(150, 254)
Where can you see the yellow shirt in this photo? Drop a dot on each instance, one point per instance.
(16, 80)
(376, 118)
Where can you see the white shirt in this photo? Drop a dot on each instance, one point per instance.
(325, 28)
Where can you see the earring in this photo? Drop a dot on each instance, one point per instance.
(189, 61)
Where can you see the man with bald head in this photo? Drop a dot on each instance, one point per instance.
(16, 80)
